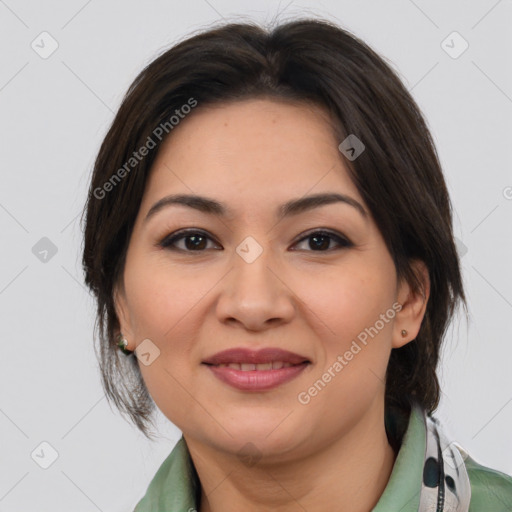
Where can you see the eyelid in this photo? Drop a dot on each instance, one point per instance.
(166, 242)
(342, 240)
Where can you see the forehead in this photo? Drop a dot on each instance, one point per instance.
(251, 152)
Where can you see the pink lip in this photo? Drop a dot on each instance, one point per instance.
(245, 355)
(256, 380)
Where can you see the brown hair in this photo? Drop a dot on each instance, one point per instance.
(398, 175)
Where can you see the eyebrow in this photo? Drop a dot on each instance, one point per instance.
(290, 208)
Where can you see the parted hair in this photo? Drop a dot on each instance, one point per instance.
(398, 175)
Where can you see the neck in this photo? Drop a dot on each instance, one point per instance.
(350, 474)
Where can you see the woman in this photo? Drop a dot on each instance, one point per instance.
(268, 236)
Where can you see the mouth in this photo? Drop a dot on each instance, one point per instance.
(251, 360)
(255, 380)
(251, 367)
(261, 370)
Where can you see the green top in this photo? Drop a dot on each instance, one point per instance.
(175, 487)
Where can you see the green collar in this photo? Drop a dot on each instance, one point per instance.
(402, 493)
(175, 486)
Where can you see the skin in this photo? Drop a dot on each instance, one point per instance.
(254, 155)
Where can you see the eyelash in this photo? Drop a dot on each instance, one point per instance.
(168, 241)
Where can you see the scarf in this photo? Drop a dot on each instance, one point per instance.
(445, 486)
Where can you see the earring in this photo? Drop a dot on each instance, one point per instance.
(404, 333)
(122, 344)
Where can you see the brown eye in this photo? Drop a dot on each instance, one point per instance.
(194, 241)
(319, 241)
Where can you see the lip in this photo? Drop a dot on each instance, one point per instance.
(265, 355)
(256, 380)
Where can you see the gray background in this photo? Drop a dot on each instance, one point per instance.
(53, 115)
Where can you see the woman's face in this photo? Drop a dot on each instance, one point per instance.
(259, 276)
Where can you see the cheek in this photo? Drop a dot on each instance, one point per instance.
(170, 390)
(356, 307)
(162, 299)
(348, 302)
(165, 306)
(357, 310)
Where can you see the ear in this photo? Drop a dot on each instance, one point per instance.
(122, 312)
(414, 305)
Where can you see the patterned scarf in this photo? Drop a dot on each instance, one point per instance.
(445, 486)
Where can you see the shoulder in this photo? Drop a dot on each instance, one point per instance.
(491, 490)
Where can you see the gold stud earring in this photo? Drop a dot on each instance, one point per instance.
(404, 333)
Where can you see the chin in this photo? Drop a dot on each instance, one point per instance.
(261, 439)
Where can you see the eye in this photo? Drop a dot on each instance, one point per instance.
(320, 240)
(195, 241)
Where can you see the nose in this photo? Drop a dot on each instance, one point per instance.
(255, 293)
